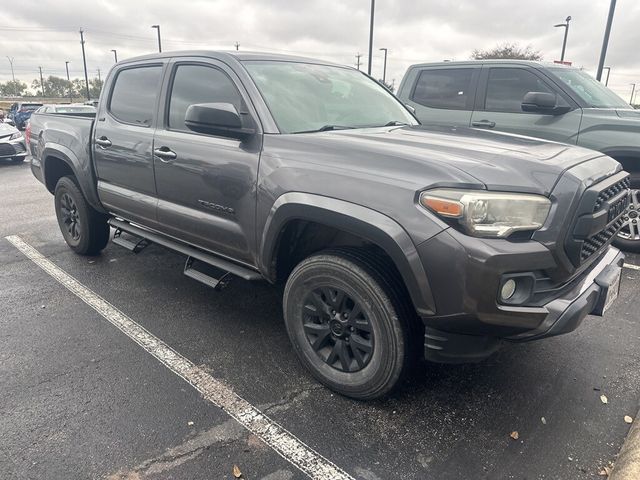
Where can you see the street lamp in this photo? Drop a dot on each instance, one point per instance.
(66, 65)
(606, 82)
(566, 32)
(384, 70)
(115, 55)
(15, 87)
(373, 9)
(157, 27)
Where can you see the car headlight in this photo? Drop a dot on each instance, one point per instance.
(16, 136)
(488, 214)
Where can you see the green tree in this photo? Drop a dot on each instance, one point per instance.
(95, 87)
(12, 88)
(53, 86)
(507, 50)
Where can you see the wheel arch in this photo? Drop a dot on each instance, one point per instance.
(58, 161)
(354, 220)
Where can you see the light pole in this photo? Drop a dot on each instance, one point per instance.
(42, 82)
(115, 55)
(633, 90)
(84, 61)
(384, 69)
(157, 27)
(606, 82)
(566, 33)
(66, 66)
(605, 40)
(373, 9)
(15, 87)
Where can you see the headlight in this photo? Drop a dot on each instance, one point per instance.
(488, 214)
(16, 136)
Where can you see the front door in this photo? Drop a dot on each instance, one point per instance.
(500, 108)
(123, 137)
(206, 183)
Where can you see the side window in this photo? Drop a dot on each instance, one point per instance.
(133, 98)
(199, 84)
(444, 88)
(507, 87)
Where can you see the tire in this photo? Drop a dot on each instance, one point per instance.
(85, 230)
(628, 239)
(366, 354)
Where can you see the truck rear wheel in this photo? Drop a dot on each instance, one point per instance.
(349, 323)
(84, 229)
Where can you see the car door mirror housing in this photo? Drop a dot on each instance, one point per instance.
(543, 102)
(220, 119)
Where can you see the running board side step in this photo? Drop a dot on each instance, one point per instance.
(219, 263)
(213, 277)
(135, 247)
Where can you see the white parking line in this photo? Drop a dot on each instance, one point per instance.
(632, 266)
(287, 445)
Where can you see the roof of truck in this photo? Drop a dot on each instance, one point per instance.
(230, 54)
(505, 60)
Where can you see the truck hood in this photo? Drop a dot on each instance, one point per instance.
(445, 156)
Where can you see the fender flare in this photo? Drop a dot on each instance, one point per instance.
(357, 220)
(82, 171)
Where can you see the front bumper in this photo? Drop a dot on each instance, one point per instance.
(13, 148)
(466, 273)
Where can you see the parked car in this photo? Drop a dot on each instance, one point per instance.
(543, 100)
(12, 144)
(21, 112)
(392, 240)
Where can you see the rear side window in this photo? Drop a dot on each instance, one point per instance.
(444, 88)
(133, 98)
(507, 87)
(199, 84)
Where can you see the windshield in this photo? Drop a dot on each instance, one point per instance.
(305, 97)
(30, 107)
(589, 89)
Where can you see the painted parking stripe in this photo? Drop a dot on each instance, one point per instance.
(632, 266)
(287, 445)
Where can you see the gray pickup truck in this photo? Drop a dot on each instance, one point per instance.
(392, 240)
(543, 100)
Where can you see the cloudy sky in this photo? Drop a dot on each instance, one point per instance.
(45, 32)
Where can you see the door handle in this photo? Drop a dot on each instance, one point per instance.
(103, 142)
(165, 154)
(483, 124)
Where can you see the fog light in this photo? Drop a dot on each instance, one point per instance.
(508, 289)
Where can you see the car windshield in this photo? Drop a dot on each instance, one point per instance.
(305, 97)
(589, 89)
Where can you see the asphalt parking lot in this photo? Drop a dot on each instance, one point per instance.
(80, 399)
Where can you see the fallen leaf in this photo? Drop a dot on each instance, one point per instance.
(190, 423)
(605, 471)
(628, 419)
(543, 420)
(604, 399)
(236, 471)
(515, 435)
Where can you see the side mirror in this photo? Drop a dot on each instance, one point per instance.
(543, 102)
(220, 119)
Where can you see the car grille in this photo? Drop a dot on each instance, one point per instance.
(6, 150)
(599, 217)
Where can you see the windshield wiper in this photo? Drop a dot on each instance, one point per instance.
(326, 128)
(395, 123)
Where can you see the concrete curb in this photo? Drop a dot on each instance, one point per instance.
(627, 466)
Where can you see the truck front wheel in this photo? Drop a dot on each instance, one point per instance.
(628, 238)
(84, 229)
(348, 322)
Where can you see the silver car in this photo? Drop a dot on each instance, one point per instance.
(12, 144)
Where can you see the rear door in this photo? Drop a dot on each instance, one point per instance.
(123, 139)
(206, 183)
(499, 107)
(444, 95)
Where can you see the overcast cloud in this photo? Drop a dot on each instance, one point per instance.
(45, 32)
